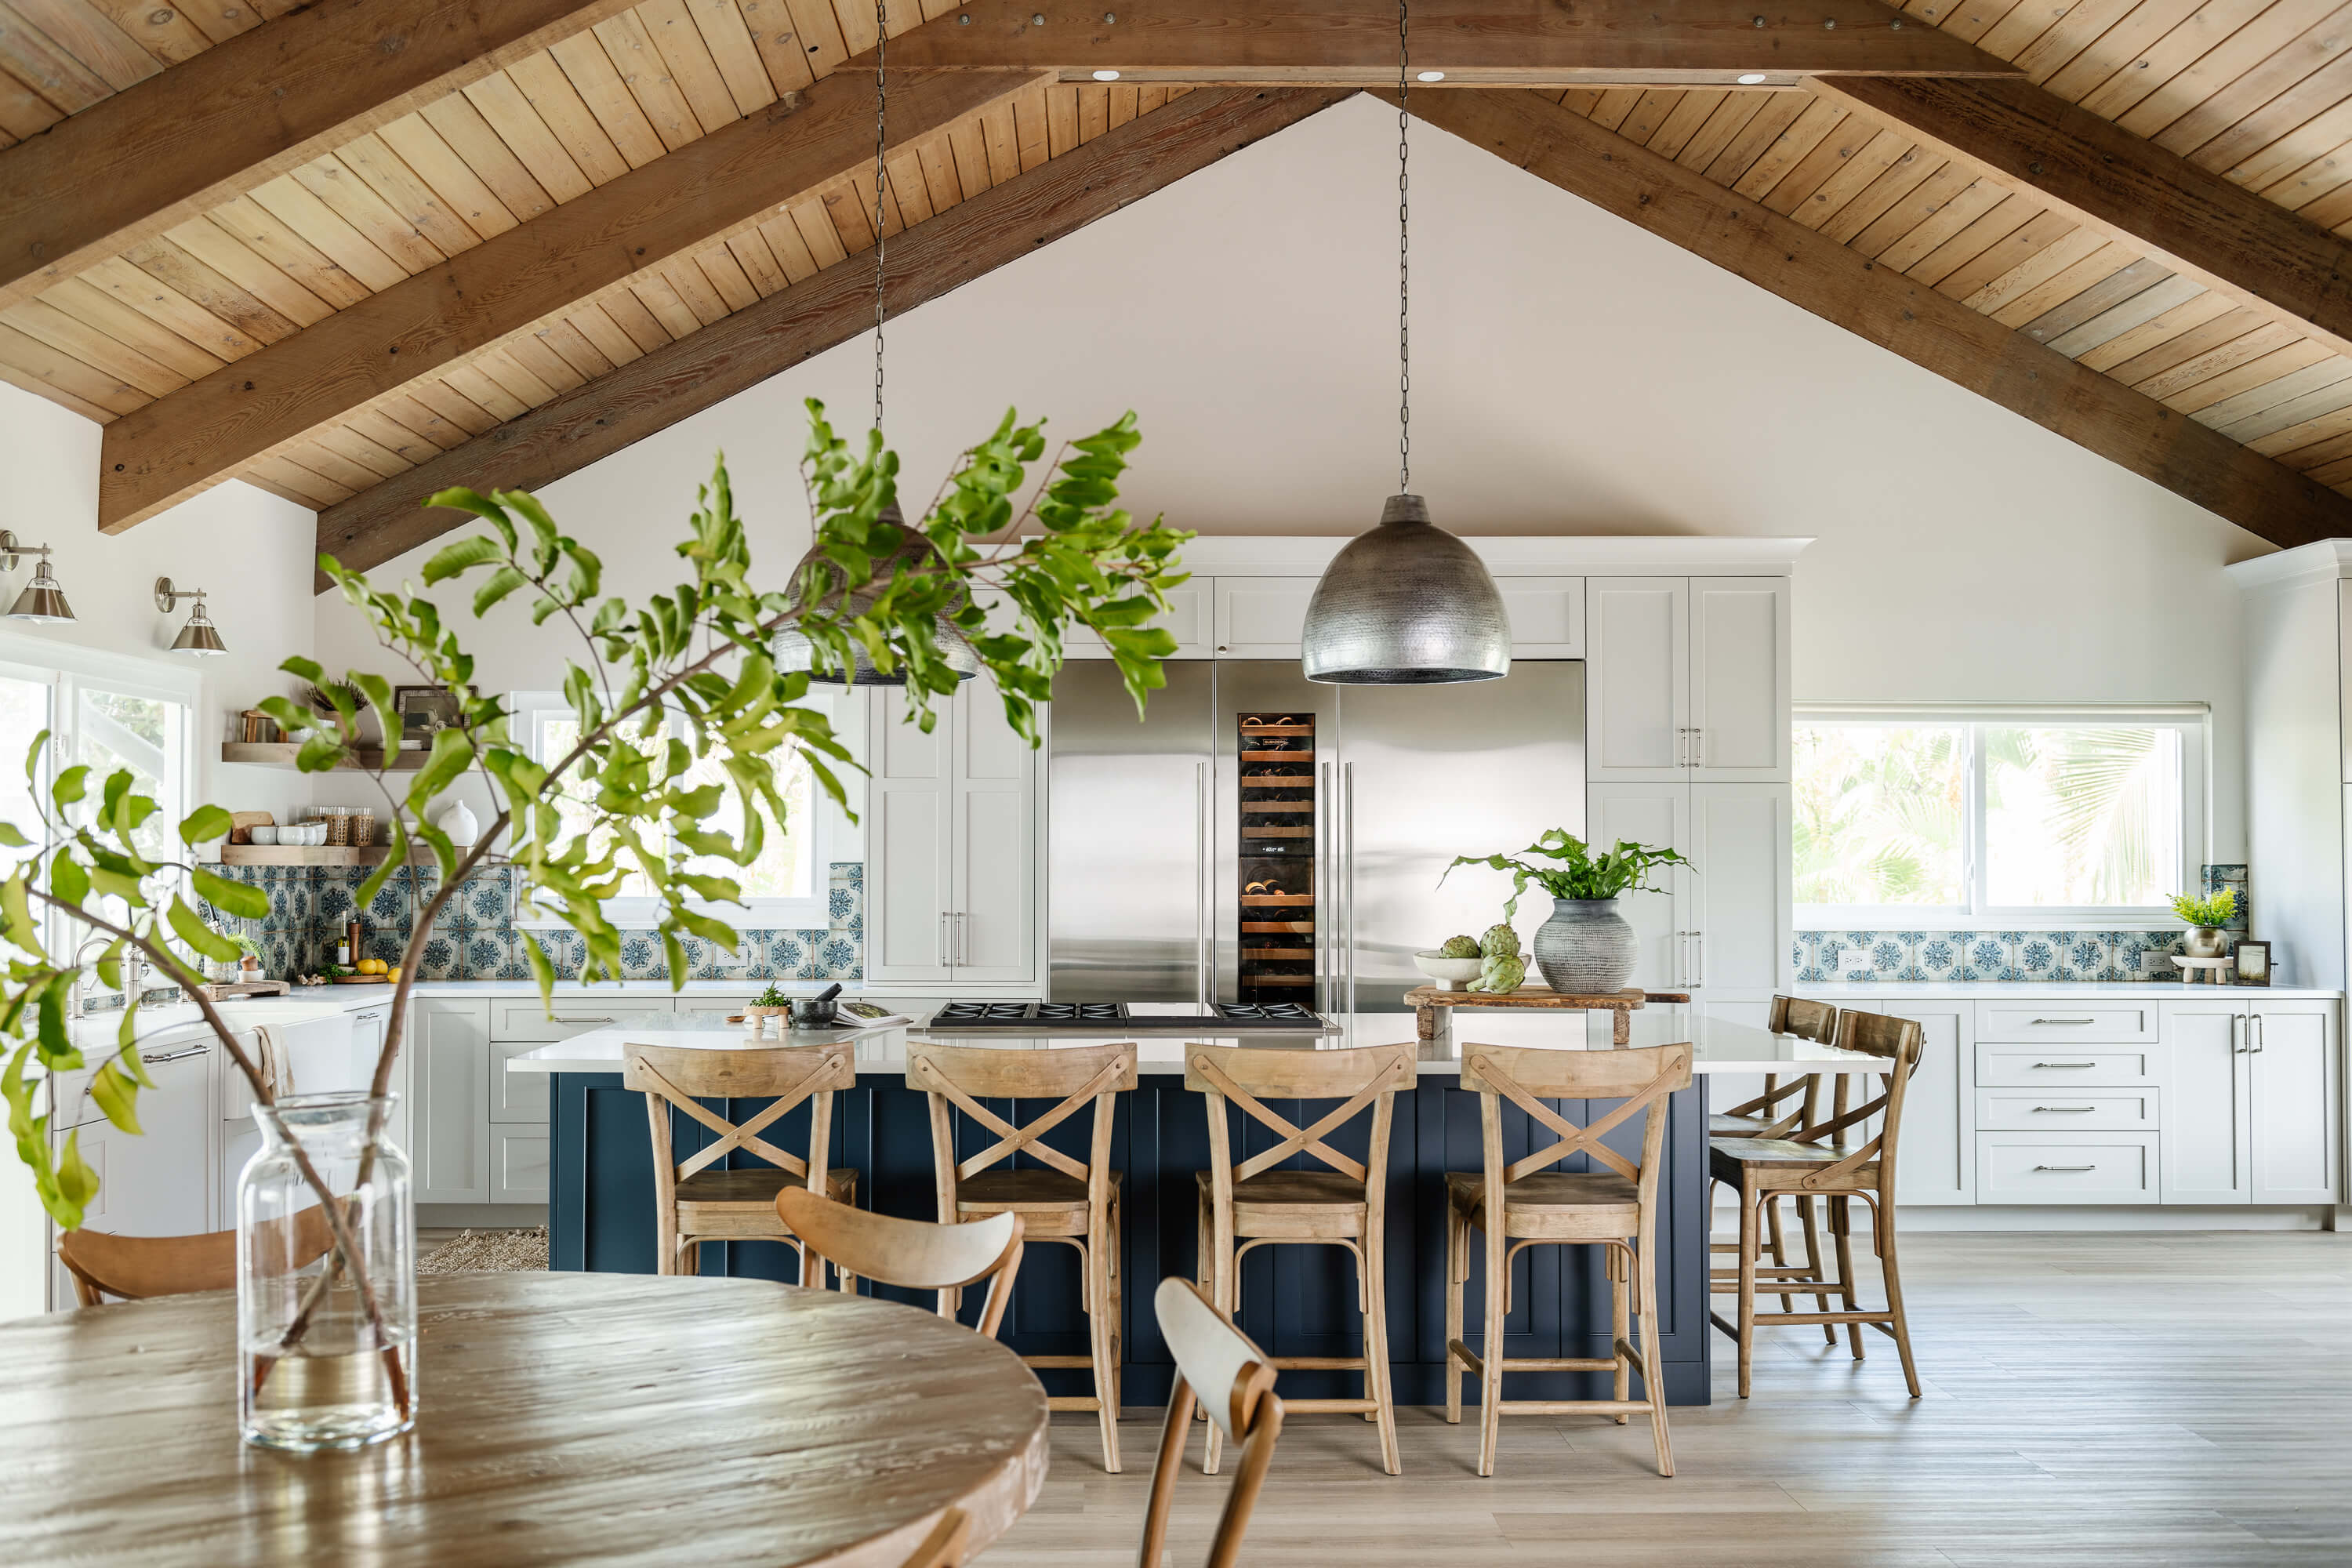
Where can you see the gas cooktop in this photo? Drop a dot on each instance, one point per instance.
(1101, 1017)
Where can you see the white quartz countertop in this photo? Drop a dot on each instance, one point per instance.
(2039, 991)
(1721, 1046)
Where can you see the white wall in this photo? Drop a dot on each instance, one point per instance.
(1572, 374)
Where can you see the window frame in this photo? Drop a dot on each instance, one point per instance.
(527, 709)
(2192, 721)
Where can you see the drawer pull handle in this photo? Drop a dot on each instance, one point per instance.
(2065, 1020)
(584, 1020)
(2065, 1064)
(2066, 1167)
(2066, 1108)
(177, 1056)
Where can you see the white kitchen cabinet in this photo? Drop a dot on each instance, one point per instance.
(518, 1161)
(1738, 886)
(1657, 815)
(161, 1180)
(1547, 615)
(369, 1027)
(1687, 678)
(951, 843)
(1262, 617)
(451, 1161)
(1190, 619)
(1935, 1159)
(2293, 1104)
(2250, 1112)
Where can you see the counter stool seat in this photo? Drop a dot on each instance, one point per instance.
(1051, 1202)
(1724, 1156)
(1724, 1124)
(748, 1194)
(1552, 1206)
(1333, 1200)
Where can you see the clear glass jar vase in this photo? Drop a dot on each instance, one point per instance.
(326, 1314)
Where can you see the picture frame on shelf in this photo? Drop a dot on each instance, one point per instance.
(423, 711)
(2251, 962)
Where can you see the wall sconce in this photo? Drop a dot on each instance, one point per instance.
(42, 601)
(197, 638)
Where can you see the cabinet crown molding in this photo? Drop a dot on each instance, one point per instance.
(1283, 555)
(2305, 562)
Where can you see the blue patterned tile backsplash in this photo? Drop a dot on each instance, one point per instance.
(474, 936)
(1825, 957)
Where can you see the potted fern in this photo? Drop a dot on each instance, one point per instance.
(1587, 947)
(2206, 917)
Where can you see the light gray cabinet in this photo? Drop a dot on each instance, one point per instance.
(450, 1162)
(1723, 923)
(2252, 1091)
(1687, 678)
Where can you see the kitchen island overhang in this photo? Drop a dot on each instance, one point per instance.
(1294, 1300)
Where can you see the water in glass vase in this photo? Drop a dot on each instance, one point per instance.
(326, 1278)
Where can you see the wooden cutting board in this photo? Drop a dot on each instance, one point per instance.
(243, 823)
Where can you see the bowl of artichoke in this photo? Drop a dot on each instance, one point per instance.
(1454, 963)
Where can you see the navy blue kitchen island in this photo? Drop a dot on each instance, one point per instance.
(1294, 1300)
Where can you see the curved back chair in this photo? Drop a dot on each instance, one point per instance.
(1229, 1378)
(913, 1253)
(133, 1268)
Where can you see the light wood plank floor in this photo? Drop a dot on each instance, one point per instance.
(2097, 1399)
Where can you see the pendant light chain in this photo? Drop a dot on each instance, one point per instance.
(881, 177)
(1404, 266)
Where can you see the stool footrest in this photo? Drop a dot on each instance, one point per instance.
(1879, 1320)
(1535, 1363)
(1058, 1360)
(1576, 1408)
(1073, 1402)
(1330, 1406)
(1314, 1364)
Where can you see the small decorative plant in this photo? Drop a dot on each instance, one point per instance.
(2207, 913)
(773, 996)
(1574, 871)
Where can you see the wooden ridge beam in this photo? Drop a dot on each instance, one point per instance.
(739, 352)
(1474, 43)
(158, 455)
(2190, 220)
(245, 112)
(1851, 290)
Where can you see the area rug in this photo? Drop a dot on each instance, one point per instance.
(488, 1252)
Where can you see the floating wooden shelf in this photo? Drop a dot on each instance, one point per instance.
(281, 755)
(317, 855)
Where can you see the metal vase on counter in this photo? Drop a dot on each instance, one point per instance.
(1586, 947)
(326, 1317)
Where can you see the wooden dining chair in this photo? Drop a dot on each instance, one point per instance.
(698, 1199)
(1783, 1107)
(1520, 1203)
(913, 1253)
(1807, 1163)
(1219, 1370)
(1059, 1199)
(1256, 1204)
(133, 1268)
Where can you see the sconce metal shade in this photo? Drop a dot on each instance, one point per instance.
(793, 650)
(42, 600)
(1406, 604)
(198, 638)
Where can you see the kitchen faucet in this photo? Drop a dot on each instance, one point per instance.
(134, 974)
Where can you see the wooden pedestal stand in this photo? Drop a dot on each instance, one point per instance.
(1431, 1005)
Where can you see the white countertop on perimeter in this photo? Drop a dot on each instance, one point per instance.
(2043, 991)
(1721, 1046)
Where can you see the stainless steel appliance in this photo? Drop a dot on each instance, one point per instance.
(1099, 1017)
(1257, 837)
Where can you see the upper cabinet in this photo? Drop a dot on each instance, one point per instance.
(1264, 618)
(1687, 678)
(1189, 620)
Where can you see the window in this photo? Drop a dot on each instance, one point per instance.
(1929, 816)
(786, 886)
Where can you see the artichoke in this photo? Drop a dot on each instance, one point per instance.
(1501, 973)
(1459, 947)
(1500, 942)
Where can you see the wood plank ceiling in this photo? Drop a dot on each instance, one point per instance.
(2256, 91)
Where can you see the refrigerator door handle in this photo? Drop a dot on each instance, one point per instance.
(1326, 888)
(1347, 852)
(1203, 986)
(1698, 955)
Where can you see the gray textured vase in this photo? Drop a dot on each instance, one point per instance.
(1586, 946)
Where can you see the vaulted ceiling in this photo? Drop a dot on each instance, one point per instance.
(358, 251)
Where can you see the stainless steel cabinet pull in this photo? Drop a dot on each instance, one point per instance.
(2065, 1064)
(2260, 1030)
(176, 1055)
(2236, 1034)
(2065, 1020)
(560, 1020)
(2066, 1167)
(939, 947)
(2066, 1108)
(963, 943)
(1698, 746)
(1698, 956)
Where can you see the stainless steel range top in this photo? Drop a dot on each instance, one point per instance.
(1119, 1018)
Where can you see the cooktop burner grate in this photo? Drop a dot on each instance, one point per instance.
(1271, 1012)
(1073, 1016)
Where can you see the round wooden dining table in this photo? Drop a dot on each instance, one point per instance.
(563, 1418)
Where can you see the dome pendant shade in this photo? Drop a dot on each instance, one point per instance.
(1406, 604)
(793, 650)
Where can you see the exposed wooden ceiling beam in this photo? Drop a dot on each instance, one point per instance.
(2190, 220)
(1845, 288)
(158, 455)
(1476, 43)
(245, 112)
(649, 395)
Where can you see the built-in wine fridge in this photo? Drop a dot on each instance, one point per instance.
(1257, 839)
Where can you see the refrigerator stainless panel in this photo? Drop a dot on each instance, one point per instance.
(1428, 773)
(1128, 834)
(1277, 686)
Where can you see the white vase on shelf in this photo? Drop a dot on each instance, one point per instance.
(457, 820)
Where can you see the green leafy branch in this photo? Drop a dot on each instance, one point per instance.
(1575, 872)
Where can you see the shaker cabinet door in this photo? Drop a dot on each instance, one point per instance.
(1934, 1157)
(1739, 882)
(1657, 815)
(1637, 678)
(992, 926)
(2205, 1109)
(2291, 1104)
(1740, 679)
(450, 1156)
(910, 836)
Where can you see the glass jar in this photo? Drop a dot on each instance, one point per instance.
(326, 1336)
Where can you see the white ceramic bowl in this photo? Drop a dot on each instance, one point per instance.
(266, 834)
(1447, 971)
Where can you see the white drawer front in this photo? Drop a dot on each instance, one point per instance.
(518, 1165)
(2056, 1168)
(517, 1096)
(2061, 1109)
(526, 1020)
(2038, 1021)
(2061, 1066)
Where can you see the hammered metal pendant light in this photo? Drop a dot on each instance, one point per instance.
(790, 647)
(1407, 604)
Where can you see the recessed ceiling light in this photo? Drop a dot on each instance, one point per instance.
(1113, 76)
(1752, 79)
(1432, 76)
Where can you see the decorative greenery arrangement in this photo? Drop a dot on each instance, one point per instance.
(699, 653)
(2207, 913)
(1575, 872)
(773, 996)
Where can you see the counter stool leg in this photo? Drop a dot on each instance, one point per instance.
(1808, 1209)
(1842, 1222)
(1098, 1336)
(1882, 1221)
(1750, 1215)
(1113, 1261)
(1457, 1271)
(1227, 1289)
(1777, 1244)
(1652, 1365)
(1616, 1262)
(1490, 1385)
(1376, 1352)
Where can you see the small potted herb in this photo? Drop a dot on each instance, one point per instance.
(769, 1004)
(2205, 918)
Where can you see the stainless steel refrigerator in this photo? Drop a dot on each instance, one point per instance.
(1257, 837)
